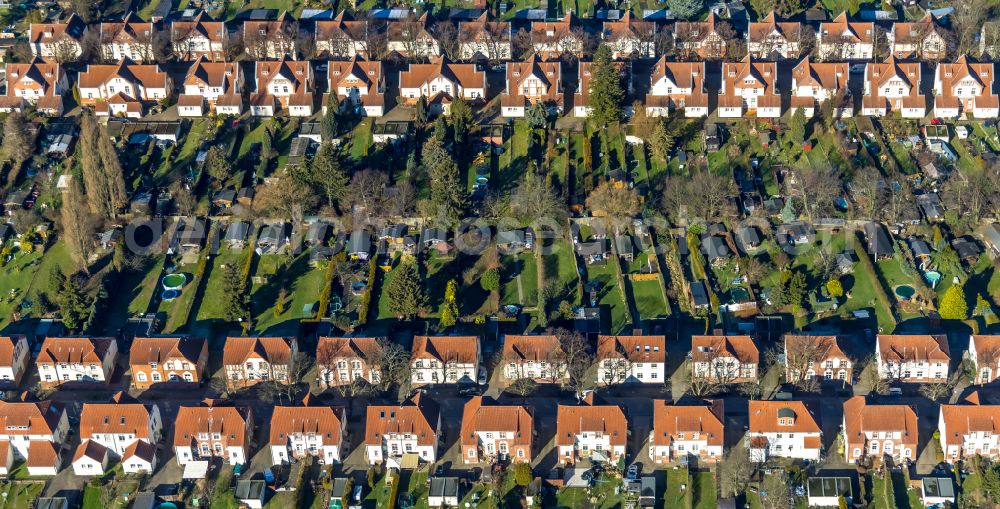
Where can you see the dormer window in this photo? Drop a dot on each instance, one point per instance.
(262, 31)
(371, 73)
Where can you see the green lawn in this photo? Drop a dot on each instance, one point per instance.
(649, 299)
(361, 140)
(20, 495)
(208, 312)
(601, 496)
(882, 494)
(223, 497)
(560, 264)
(134, 293)
(608, 294)
(303, 285)
(523, 266)
(703, 486)
(122, 493)
(188, 149)
(28, 275)
(674, 496)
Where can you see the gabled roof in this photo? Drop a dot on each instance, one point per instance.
(74, 350)
(695, 31)
(484, 28)
(549, 73)
(561, 29)
(131, 30)
(323, 421)
(629, 27)
(765, 28)
(145, 75)
(283, 26)
(743, 348)
(571, 420)
(763, 73)
(341, 27)
(634, 348)
(479, 417)
(461, 349)
(230, 422)
(275, 350)
(213, 74)
(842, 29)
(7, 345)
(367, 73)
(418, 416)
(912, 32)
(30, 418)
(828, 347)
(952, 74)
(41, 74)
(202, 25)
(708, 420)
(140, 449)
(42, 453)
(73, 28)
(860, 418)
(119, 419)
(917, 347)
(681, 74)
(92, 450)
(298, 72)
(530, 348)
(159, 350)
(465, 75)
(366, 348)
(962, 419)
(824, 75)
(879, 73)
(987, 347)
(407, 29)
(764, 417)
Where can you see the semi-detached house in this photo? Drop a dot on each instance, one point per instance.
(679, 431)
(445, 359)
(968, 429)
(492, 432)
(249, 361)
(402, 433)
(918, 358)
(213, 431)
(784, 429)
(298, 432)
(76, 359)
(593, 431)
(879, 431)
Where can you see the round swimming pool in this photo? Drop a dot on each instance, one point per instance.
(905, 292)
(173, 281)
(169, 295)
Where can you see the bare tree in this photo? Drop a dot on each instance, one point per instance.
(366, 192)
(935, 391)
(521, 45)
(817, 187)
(392, 363)
(868, 188)
(522, 387)
(779, 493)
(967, 21)
(287, 390)
(737, 471)
(615, 369)
(577, 359)
(872, 378)
(447, 36)
(803, 355)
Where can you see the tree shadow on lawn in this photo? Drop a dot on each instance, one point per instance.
(435, 284)
(263, 299)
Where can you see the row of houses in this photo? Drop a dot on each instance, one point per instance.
(749, 88)
(458, 359)
(126, 432)
(195, 34)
